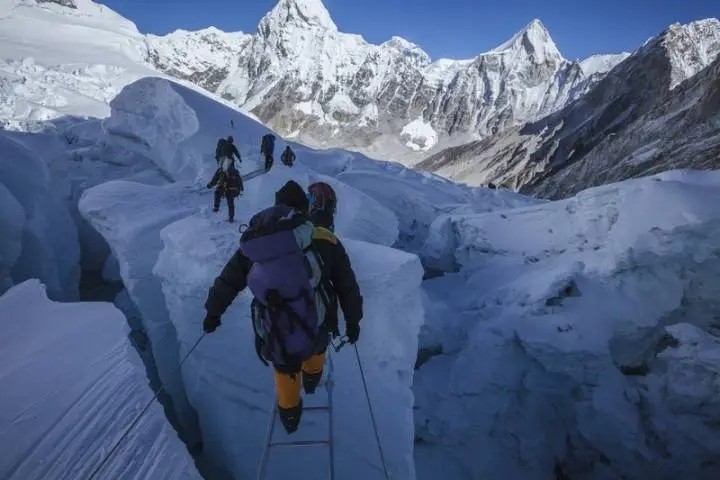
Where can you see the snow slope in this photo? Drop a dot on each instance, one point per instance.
(602, 63)
(71, 386)
(589, 347)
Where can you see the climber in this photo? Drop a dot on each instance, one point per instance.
(288, 156)
(228, 184)
(225, 150)
(323, 204)
(267, 149)
(298, 274)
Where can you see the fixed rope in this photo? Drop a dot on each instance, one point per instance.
(142, 413)
(372, 414)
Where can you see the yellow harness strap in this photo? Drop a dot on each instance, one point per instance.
(321, 233)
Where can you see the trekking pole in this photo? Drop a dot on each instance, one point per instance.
(143, 412)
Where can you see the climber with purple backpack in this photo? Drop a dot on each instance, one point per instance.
(298, 274)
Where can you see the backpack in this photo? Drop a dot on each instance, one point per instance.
(285, 278)
(220, 148)
(233, 182)
(287, 157)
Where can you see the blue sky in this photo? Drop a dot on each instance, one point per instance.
(446, 28)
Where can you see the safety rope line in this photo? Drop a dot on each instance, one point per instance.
(372, 414)
(330, 384)
(143, 412)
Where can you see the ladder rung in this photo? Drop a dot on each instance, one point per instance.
(300, 443)
(319, 408)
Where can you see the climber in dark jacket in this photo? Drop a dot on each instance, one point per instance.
(227, 184)
(226, 152)
(338, 286)
(267, 149)
(288, 157)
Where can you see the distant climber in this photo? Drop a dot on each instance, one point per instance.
(228, 183)
(288, 157)
(267, 150)
(225, 151)
(298, 274)
(323, 204)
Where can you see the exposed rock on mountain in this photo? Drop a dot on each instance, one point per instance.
(304, 78)
(651, 113)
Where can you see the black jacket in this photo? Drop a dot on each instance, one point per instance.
(227, 149)
(338, 279)
(267, 145)
(288, 157)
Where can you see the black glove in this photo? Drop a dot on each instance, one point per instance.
(211, 323)
(352, 332)
(209, 185)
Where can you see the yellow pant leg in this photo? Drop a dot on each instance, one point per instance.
(314, 364)
(287, 387)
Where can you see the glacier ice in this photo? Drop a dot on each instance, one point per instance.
(71, 387)
(49, 249)
(12, 221)
(126, 214)
(566, 356)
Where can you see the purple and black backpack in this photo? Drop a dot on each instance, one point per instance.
(283, 279)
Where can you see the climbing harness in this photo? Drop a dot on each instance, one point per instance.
(142, 413)
(329, 442)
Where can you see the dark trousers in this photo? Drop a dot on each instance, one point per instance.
(219, 193)
(268, 162)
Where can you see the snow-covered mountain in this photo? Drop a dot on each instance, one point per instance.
(304, 78)
(572, 339)
(655, 111)
(297, 73)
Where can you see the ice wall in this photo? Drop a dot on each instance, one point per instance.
(130, 216)
(71, 385)
(571, 330)
(49, 247)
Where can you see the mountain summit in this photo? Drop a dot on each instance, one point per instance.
(535, 40)
(302, 13)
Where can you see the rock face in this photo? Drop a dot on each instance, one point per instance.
(63, 3)
(656, 111)
(305, 79)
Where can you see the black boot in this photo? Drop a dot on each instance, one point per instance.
(311, 381)
(290, 417)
